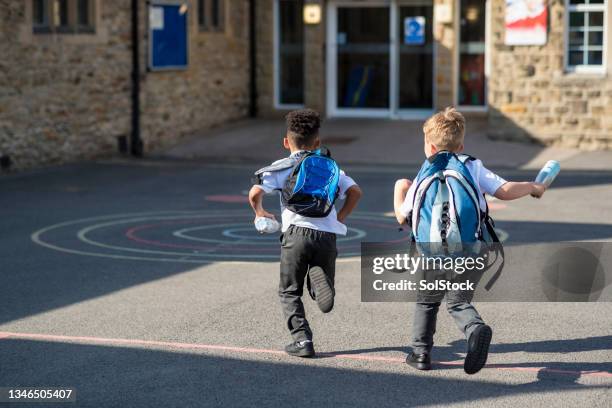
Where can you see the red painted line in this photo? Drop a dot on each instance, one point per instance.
(251, 350)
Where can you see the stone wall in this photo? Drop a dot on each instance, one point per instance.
(213, 90)
(532, 98)
(63, 97)
(67, 97)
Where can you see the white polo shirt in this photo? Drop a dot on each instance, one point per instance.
(486, 182)
(274, 181)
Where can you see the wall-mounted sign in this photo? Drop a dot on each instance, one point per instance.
(414, 30)
(156, 18)
(526, 22)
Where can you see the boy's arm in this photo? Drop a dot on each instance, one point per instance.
(256, 200)
(353, 195)
(399, 195)
(513, 190)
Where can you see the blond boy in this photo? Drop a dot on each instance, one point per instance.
(444, 132)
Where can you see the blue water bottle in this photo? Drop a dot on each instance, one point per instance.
(548, 173)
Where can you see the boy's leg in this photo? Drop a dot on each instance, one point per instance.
(293, 268)
(478, 334)
(324, 253)
(425, 313)
(465, 315)
(424, 326)
(463, 312)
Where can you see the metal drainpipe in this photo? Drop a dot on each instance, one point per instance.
(252, 59)
(135, 140)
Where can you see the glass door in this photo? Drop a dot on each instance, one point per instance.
(361, 50)
(416, 55)
(471, 83)
(289, 53)
(380, 58)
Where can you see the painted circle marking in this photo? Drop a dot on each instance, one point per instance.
(223, 236)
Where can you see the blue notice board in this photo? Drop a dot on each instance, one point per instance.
(168, 35)
(414, 30)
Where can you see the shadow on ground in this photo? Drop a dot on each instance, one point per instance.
(117, 376)
(565, 371)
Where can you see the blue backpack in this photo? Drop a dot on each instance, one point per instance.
(312, 187)
(446, 217)
(446, 205)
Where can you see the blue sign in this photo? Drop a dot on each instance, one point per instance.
(168, 35)
(414, 30)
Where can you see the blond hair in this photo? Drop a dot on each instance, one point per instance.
(445, 129)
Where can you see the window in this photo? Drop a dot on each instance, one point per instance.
(211, 15)
(472, 47)
(62, 16)
(585, 35)
(289, 53)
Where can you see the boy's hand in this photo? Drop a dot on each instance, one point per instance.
(402, 185)
(264, 213)
(255, 199)
(537, 190)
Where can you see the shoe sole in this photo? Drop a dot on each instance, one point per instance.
(476, 357)
(419, 366)
(324, 293)
(303, 354)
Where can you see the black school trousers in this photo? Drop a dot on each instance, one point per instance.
(301, 249)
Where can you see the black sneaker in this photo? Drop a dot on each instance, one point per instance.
(303, 348)
(323, 291)
(478, 349)
(419, 361)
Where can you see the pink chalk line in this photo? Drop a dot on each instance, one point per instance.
(250, 350)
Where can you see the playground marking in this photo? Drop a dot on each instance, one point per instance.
(252, 350)
(229, 242)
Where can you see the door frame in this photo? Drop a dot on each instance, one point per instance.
(331, 66)
(487, 65)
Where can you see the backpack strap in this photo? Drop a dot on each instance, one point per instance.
(324, 151)
(279, 165)
(464, 158)
(499, 251)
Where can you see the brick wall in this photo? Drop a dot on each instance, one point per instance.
(62, 98)
(213, 90)
(67, 97)
(532, 98)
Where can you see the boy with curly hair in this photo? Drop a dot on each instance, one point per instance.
(308, 244)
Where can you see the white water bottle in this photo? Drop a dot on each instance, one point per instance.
(548, 173)
(266, 225)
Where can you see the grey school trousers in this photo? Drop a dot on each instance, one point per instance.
(302, 248)
(426, 311)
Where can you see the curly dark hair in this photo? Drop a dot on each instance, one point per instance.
(303, 126)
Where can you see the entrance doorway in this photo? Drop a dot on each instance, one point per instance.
(380, 59)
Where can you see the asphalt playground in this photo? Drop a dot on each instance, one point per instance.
(142, 283)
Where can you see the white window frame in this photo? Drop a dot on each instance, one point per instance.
(276, 63)
(585, 69)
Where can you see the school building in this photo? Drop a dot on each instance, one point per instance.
(81, 78)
